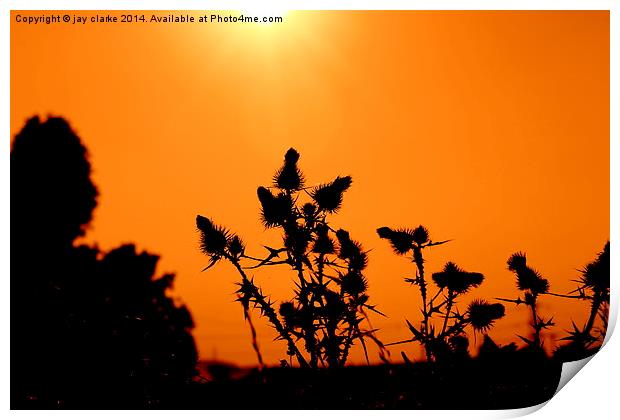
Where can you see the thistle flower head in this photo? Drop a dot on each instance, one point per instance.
(236, 246)
(289, 176)
(308, 210)
(400, 239)
(343, 236)
(291, 156)
(596, 275)
(532, 280)
(482, 315)
(275, 209)
(456, 280)
(527, 278)
(420, 235)
(352, 251)
(358, 262)
(517, 261)
(384, 232)
(348, 247)
(328, 197)
(353, 283)
(213, 238)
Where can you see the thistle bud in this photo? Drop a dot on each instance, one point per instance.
(328, 197)
(400, 239)
(213, 238)
(517, 261)
(456, 280)
(289, 177)
(482, 315)
(353, 283)
(596, 275)
(236, 246)
(420, 235)
(275, 209)
(352, 251)
(308, 210)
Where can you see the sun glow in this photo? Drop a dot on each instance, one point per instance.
(266, 15)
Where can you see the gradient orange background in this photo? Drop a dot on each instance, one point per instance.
(490, 128)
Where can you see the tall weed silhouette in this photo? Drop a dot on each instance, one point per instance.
(592, 286)
(533, 285)
(442, 329)
(323, 318)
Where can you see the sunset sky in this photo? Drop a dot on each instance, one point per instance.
(489, 128)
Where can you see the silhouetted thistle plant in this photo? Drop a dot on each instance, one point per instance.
(447, 336)
(330, 299)
(593, 286)
(217, 243)
(533, 284)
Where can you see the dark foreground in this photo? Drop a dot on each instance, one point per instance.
(470, 384)
(473, 385)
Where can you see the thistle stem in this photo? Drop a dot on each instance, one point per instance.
(248, 316)
(535, 323)
(271, 315)
(567, 296)
(347, 345)
(596, 303)
(419, 262)
(309, 330)
(448, 309)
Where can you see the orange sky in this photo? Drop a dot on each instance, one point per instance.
(490, 128)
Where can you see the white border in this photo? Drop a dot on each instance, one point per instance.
(591, 395)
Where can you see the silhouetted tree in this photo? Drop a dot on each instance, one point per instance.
(88, 329)
(52, 195)
(52, 198)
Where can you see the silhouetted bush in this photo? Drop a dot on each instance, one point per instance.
(52, 195)
(88, 329)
